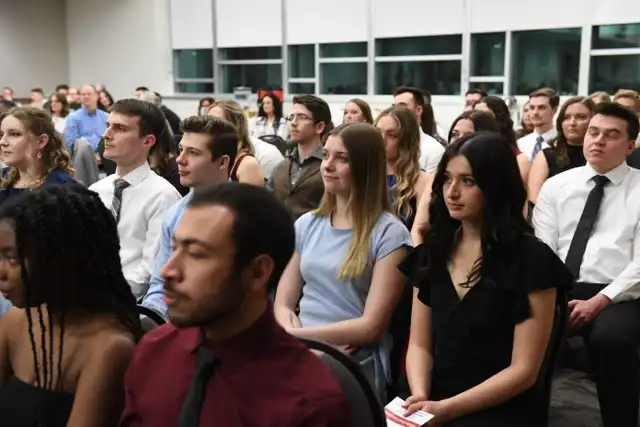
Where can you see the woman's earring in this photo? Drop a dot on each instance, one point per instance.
(39, 155)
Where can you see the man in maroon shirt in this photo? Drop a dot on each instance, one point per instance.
(226, 258)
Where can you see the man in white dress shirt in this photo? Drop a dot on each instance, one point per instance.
(543, 105)
(590, 216)
(136, 195)
(431, 150)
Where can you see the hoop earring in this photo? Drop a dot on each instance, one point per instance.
(39, 156)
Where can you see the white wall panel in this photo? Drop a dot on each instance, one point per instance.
(33, 45)
(249, 23)
(516, 15)
(120, 43)
(616, 12)
(327, 21)
(405, 18)
(191, 24)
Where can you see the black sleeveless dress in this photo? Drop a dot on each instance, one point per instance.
(25, 405)
(576, 159)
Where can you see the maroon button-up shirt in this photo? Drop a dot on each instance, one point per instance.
(266, 378)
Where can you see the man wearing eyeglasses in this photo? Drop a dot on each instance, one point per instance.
(296, 181)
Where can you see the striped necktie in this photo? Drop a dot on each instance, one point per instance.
(119, 186)
(537, 148)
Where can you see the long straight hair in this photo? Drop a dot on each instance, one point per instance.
(369, 198)
(559, 143)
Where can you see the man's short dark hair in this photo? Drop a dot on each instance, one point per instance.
(38, 90)
(270, 233)
(476, 91)
(418, 95)
(613, 109)
(318, 107)
(223, 135)
(142, 89)
(62, 87)
(151, 118)
(552, 95)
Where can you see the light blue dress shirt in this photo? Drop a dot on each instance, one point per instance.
(5, 305)
(154, 299)
(83, 124)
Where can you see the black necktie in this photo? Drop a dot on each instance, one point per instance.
(192, 406)
(585, 226)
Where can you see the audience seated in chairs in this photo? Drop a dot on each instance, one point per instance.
(590, 217)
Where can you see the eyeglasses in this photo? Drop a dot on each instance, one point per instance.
(298, 117)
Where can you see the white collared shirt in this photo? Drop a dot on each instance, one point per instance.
(431, 152)
(144, 203)
(612, 255)
(267, 155)
(527, 143)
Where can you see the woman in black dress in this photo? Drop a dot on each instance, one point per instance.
(485, 294)
(65, 346)
(565, 150)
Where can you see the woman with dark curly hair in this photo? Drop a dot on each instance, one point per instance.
(33, 152)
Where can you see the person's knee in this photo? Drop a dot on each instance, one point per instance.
(604, 343)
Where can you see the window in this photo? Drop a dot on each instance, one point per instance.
(182, 87)
(625, 36)
(492, 88)
(302, 88)
(487, 54)
(254, 76)
(438, 77)
(302, 62)
(194, 64)
(251, 53)
(419, 46)
(343, 50)
(610, 73)
(545, 58)
(344, 78)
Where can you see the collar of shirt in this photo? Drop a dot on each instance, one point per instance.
(548, 135)
(318, 153)
(237, 351)
(616, 175)
(88, 113)
(137, 175)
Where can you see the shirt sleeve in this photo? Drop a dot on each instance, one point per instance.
(71, 130)
(329, 411)
(545, 217)
(154, 299)
(393, 235)
(5, 305)
(626, 286)
(433, 159)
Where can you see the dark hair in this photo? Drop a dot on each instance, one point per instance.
(496, 173)
(151, 121)
(502, 116)
(159, 96)
(364, 108)
(109, 97)
(428, 122)
(559, 143)
(554, 98)
(277, 106)
(482, 122)
(319, 108)
(477, 91)
(613, 109)
(208, 99)
(75, 276)
(142, 89)
(62, 87)
(223, 135)
(62, 100)
(38, 90)
(271, 233)
(418, 95)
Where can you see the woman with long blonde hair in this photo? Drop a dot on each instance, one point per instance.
(32, 150)
(246, 167)
(405, 180)
(346, 255)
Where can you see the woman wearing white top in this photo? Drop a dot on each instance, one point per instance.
(59, 109)
(270, 119)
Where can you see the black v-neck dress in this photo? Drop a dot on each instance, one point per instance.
(473, 336)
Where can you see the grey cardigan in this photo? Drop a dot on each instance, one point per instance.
(84, 162)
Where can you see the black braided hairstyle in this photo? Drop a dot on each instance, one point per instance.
(69, 241)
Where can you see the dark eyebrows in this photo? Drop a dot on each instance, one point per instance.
(191, 242)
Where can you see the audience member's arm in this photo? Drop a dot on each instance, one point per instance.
(250, 172)
(288, 294)
(71, 130)
(545, 218)
(529, 346)
(99, 392)
(419, 359)
(385, 291)
(421, 220)
(626, 286)
(538, 175)
(525, 168)
(154, 299)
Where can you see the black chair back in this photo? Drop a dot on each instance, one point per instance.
(150, 319)
(276, 141)
(366, 410)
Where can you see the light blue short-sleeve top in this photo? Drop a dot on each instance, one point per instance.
(327, 299)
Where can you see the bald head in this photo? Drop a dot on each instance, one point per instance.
(89, 97)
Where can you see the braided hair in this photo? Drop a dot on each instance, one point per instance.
(68, 249)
